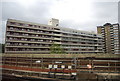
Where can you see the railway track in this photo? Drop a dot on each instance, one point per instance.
(60, 67)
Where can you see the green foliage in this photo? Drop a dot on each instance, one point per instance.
(56, 49)
(2, 48)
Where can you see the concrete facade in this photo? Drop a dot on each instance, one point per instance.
(27, 37)
(111, 37)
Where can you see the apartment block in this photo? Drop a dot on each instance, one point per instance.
(111, 37)
(27, 37)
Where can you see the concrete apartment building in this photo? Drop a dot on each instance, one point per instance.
(111, 37)
(27, 37)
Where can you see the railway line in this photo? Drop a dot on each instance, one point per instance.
(67, 68)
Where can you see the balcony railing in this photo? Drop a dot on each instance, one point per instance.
(56, 38)
(35, 32)
(28, 36)
(86, 41)
(28, 51)
(88, 38)
(70, 43)
(24, 46)
(31, 27)
(23, 41)
(57, 42)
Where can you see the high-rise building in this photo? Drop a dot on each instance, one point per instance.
(111, 37)
(27, 37)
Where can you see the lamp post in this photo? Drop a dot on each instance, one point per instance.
(63, 67)
(75, 62)
(40, 61)
(70, 67)
(55, 67)
(50, 67)
(90, 65)
(37, 62)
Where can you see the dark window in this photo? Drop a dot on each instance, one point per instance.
(12, 22)
(56, 24)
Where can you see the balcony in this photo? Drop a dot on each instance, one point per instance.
(56, 38)
(28, 36)
(96, 39)
(97, 51)
(22, 41)
(87, 38)
(30, 32)
(28, 52)
(77, 40)
(57, 34)
(29, 27)
(81, 51)
(23, 46)
(11, 24)
(96, 44)
(57, 42)
(67, 43)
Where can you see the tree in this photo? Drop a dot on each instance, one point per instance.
(56, 49)
(2, 48)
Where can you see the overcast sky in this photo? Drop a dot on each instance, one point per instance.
(78, 14)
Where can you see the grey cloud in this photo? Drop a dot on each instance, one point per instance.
(102, 12)
(38, 13)
(106, 11)
(119, 12)
(35, 13)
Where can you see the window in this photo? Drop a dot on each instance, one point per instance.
(8, 43)
(56, 24)
(11, 28)
(8, 33)
(20, 43)
(22, 29)
(36, 35)
(44, 27)
(35, 25)
(30, 25)
(13, 23)
(11, 38)
(20, 24)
